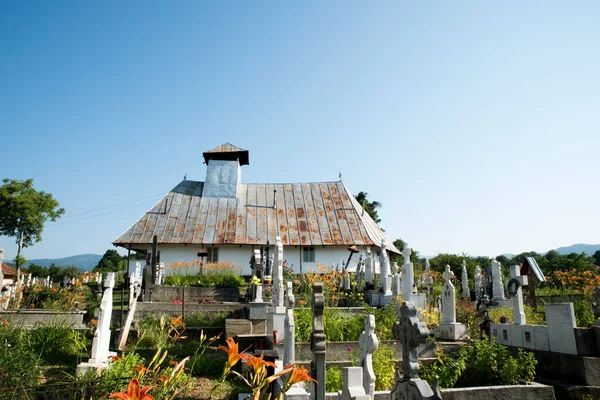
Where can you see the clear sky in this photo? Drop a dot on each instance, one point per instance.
(475, 124)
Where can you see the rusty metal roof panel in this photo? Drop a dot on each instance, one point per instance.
(323, 213)
(240, 219)
(272, 227)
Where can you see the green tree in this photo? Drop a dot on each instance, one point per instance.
(596, 257)
(37, 270)
(369, 206)
(24, 213)
(111, 261)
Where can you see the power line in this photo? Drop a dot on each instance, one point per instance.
(116, 205)
(97, 215)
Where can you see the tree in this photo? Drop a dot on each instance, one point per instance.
(596, 257)
(111, 261)
(24, 213)
(369, 206)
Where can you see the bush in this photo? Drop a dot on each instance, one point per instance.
(384, 366)
(334, 380)
(482, 363)
(20, 366)
(222, 274)
(57, 342)
(584, 313)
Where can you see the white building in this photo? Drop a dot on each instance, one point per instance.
(316, 221)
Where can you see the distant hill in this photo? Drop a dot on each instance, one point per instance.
(588, 249)
(85, 262)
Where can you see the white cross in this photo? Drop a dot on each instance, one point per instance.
(368, 343)
(447, 275)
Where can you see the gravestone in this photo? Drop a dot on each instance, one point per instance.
(411, 332)
(478, 283)
(384, 278)
(135, 289)
(353, 385)
(369, 274)
(318, 344)
(257, 270)
(101, 341)
(428, 282)
(515, 285)
(289, 348)
(449, 328)
(368, 344)
(408, 278)
(497, 285)
(560, 319)
(360, 273)
(276, 316)
(465, 280)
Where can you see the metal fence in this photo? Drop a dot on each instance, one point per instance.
(73, 390)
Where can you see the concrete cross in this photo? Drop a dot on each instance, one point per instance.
(465, 280)
(448, 274)
(289, 295)
(368, 343)
(519, 281)
(369, 267)
(411, 332)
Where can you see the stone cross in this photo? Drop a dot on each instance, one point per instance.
(135, 289)
(289, 349)
(448, 299)
(411, 333)
(465, 280)
(277, 300)
(384, 276)
(368, 343)
(257, 270)
(101, 339)
(369, 267)
(478, 282)
(318, 343)
(360, 273)
(408, 278)
(497, 285)
(517, 281)
(29, 280)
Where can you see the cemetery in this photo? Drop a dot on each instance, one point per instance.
(332, 332)
(253, 291)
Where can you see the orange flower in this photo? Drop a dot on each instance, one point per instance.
(115, 358)
(176, 322)
(233, 356)
(140, 369)
(94, 322)
(134, 392)
(299, 375)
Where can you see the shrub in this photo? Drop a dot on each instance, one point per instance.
(482, 363)
(334, 380)
(384, 366)
(56, 342)
(584, 313)
(222, 274)
(19, 364)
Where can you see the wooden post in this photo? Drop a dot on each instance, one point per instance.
(532, 280)
(153, 259)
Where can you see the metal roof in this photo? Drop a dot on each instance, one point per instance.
(536, 269)
(227, 151)
(309, 214)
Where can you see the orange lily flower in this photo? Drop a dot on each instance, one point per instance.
(134, 392)
(233, 356)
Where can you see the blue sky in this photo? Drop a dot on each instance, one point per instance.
(475, 124)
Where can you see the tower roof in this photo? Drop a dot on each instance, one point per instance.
(228, 152)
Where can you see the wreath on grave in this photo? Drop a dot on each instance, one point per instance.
(513, 286)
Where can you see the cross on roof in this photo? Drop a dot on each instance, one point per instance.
(411, 332)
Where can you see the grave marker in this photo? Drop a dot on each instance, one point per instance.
(368, 343)
(318, 344)
(515, 290)
(449, 328)
(465, 280)
(289, 348)
(411, 332)
(369, 267)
